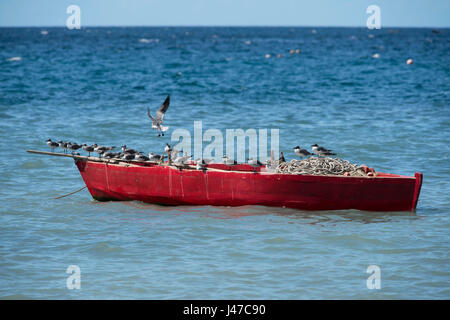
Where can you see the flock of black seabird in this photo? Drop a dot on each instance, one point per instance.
(303, 153)
(318, 150)
(125, 153)
(173, 155)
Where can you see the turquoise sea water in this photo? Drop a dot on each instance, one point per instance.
(94, 85)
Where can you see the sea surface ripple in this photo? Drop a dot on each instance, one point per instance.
(94, 85)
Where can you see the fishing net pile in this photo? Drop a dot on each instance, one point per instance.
(320, 166)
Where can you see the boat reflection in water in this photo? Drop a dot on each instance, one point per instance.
(242, 212)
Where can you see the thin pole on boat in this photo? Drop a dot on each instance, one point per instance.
(94, 159)
(55, 154)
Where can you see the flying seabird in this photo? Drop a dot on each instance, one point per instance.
(321, 151)
(156, 123)
(52, 144)
(301, 152)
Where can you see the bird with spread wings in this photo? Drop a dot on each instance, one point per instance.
(157, 122)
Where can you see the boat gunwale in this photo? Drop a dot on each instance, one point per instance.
(138, 164)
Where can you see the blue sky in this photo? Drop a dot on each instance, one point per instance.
(401, 13)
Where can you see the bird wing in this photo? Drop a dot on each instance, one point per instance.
(154, 123)
(162, 110)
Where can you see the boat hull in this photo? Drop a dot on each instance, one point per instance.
(169, 186)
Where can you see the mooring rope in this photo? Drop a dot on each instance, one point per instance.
(65, 195)
(318, 166)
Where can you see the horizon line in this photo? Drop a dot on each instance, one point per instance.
(224, 26)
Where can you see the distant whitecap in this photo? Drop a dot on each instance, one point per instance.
(15, 59)
(44, 32)
(376, 55)
(144, 40)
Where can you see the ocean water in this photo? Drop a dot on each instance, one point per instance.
(94, 85)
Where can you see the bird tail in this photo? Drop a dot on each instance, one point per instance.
(163, 129)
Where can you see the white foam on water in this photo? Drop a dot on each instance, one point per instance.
(144, 40)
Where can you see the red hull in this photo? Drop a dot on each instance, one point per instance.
(170, 186)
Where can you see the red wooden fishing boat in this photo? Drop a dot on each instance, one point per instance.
(222, 185)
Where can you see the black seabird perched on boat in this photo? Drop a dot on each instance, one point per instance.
(128, 156)
(65, 146)
(73, 146)
(228, 161)
(281, 159)
(109, 154)
(170, 152)
(168, 149)
(156, 123)
(254, 162)
(201, 164)
(52, 144)
(140, 157)
(128, 150)
(155, 157)
(321, 151)
(302, 152)
(88, 149)
(203, 160)
(62, 145)
(99, 149)
(181, 160)
(102, 148)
